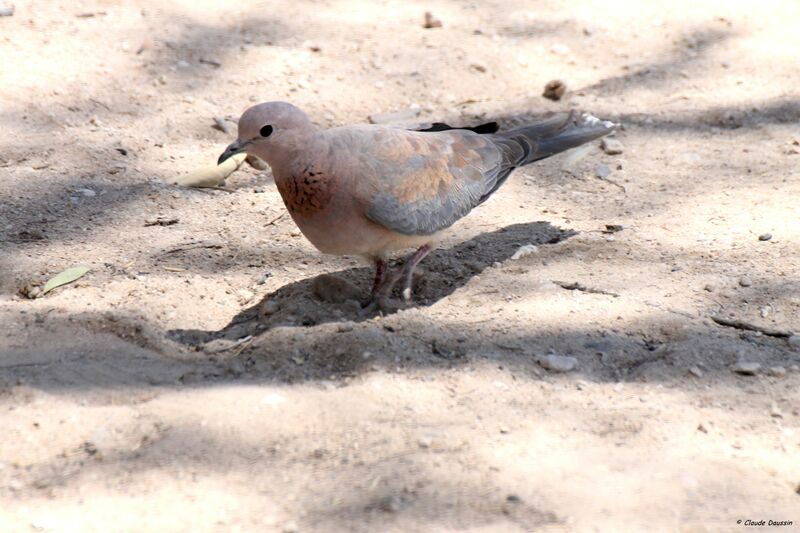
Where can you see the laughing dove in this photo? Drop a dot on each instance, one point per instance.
(372, 191)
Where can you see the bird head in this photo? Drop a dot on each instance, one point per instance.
(267, 129)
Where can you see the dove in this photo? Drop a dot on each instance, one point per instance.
(376, 191)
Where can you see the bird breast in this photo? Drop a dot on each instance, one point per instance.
(305, 193)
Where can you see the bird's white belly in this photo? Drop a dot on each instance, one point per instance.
(358, 236)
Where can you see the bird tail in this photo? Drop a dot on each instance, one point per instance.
(552, 136)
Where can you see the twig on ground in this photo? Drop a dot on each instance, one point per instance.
(274, 220)
(210, 62)
(575, 286)
(612, 182)
(738, 324)
(161, 221)
(101, 104)
(243, 344)
(668, 310)
(192, 246)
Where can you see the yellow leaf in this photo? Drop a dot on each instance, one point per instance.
(212, 175)
(67, 276)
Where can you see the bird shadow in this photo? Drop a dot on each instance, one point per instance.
(444, 271)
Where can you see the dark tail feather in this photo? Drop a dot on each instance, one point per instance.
(552, 136)
(489, 127)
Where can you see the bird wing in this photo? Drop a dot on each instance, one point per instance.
(420, 183)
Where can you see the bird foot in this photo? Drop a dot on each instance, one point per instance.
(380, 305)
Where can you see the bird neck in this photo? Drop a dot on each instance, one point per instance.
(284, 156)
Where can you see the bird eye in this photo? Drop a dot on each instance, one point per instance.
(266, 131)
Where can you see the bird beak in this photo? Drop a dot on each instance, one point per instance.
(236, 147)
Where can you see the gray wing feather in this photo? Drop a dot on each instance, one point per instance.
(456, 170)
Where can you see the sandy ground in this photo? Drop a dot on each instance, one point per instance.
(192, 381)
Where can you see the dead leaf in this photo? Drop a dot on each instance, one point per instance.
(65, 277)
(212, 175)
(161, 221)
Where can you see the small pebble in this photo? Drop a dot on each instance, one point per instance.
(270, 307)
(709, 287)
(424, 442)
(524, 251)
(775, 411)
(560, 49)
(513, 498)
(31, 291)
(504, 430)
(557, 363)
(611, 146)
(389, 504)
(765, 237)
(777, 371)
(31, 235)
(744, 281)
(746, 368)
(696, 372)
(602, 171)
(430, 21)
(554, 90)
(220, 124)
(245, 295)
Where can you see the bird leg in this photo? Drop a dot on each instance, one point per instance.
(383, 285)
(408, 268)
(381, 289)
(380, 276)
